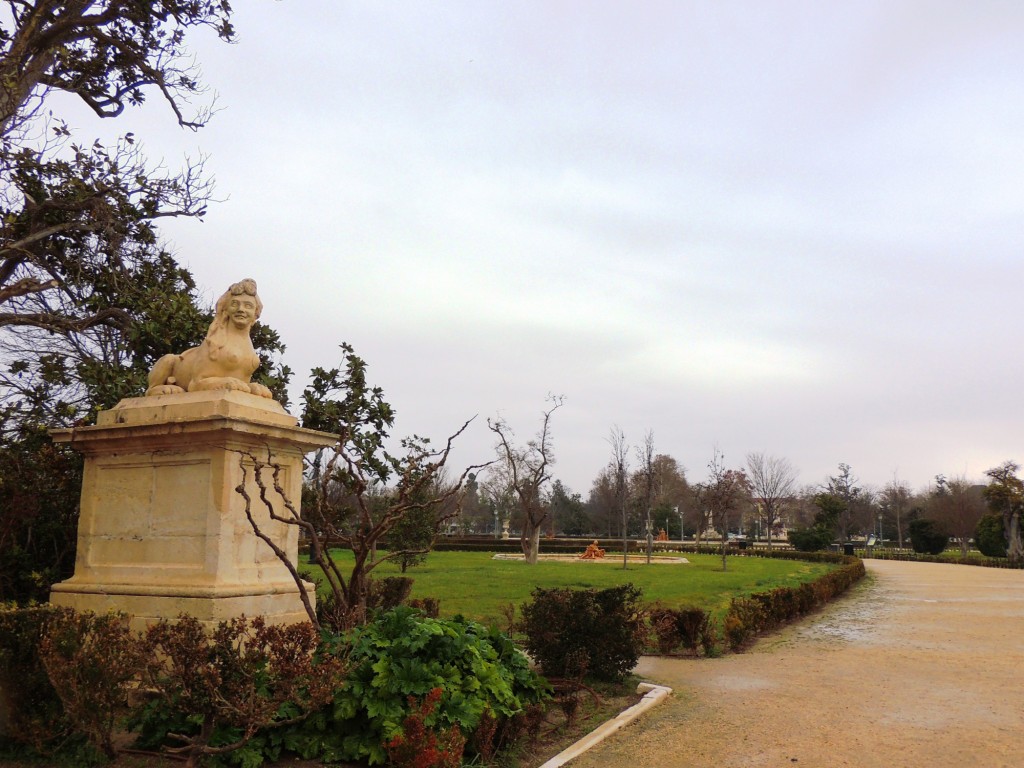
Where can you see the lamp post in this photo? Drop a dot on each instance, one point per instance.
(879, 528)
(682, 530)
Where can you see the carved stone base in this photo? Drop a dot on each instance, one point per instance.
(163, 530)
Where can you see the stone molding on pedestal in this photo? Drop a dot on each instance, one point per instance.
(163, 530)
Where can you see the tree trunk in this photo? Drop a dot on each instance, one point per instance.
(530, 541)
(1013, 550)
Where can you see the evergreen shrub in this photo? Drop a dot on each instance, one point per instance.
(926, 537)
(811, 539)
(990, 536)
(581, 632)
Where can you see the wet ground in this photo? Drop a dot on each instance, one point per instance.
(920, 665)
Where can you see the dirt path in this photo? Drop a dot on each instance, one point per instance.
(921, 665)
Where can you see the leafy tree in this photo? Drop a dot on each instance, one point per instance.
(989, 537)
(822, 530)
(928, 537)
(843, 486)
(74, 214)
(476, 515)
(810, 538)
(528, 470)
(601, 502)
(359, 490)
(413, 534)
(568, 511)
(1005, 497)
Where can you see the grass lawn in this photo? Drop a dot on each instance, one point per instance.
(473, 584)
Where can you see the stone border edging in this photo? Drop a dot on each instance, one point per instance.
(653, 695)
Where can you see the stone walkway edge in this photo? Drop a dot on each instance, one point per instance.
(653, 695)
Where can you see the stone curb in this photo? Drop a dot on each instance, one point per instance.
(653, 695)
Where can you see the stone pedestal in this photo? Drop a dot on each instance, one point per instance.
(163, 530)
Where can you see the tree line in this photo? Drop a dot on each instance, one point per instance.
(641, 494)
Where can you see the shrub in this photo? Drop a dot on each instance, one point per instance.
(572, 633)
(927, 537)
(34, 715)
(419, 745)
(689, 627)
(811, 539)
(214, 692)
(428, 606)
(92, 662)
(990, 536)
(663, 623)
(387, 593)
(400, 654)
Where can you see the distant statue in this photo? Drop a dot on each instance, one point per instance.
(593, 552)
(662, 535)
(226, 359)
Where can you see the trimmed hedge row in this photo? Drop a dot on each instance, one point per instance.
(751, 616)
(984, 562)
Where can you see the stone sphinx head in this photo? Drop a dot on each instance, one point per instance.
(239, 305)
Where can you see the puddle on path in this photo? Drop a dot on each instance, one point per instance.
(858, 617)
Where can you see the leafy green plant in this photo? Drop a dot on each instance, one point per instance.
(401, 653)
(578, 632)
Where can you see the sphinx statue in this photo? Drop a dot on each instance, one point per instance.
(226, 359)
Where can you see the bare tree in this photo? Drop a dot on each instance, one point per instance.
(528, 469)
(895, 501)
(724, 494)
(646, 476)
(773, 484)
(701, 511)
(619, 466)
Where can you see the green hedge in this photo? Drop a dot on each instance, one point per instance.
(749, 617)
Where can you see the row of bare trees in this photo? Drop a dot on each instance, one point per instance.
(634, 501)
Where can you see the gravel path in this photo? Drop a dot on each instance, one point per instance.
(920, 665)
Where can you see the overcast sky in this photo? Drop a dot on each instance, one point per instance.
(788, 227)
